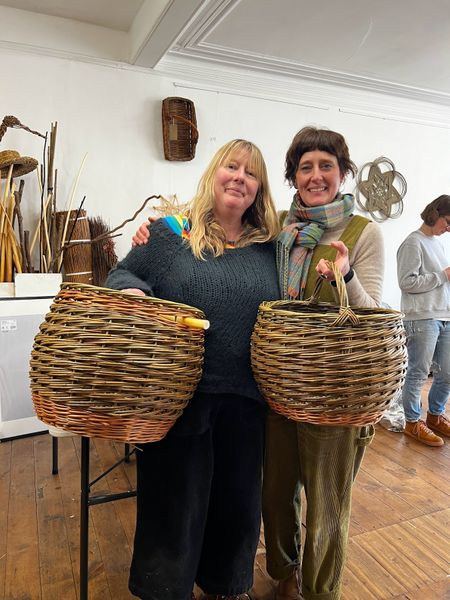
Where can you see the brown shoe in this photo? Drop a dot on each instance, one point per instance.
(439, 423)
(289, 589)
(420, 432)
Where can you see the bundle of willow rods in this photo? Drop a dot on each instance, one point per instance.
(10, 250)
(77, 257)
(47, 223)
(104, 256)
(14, 249)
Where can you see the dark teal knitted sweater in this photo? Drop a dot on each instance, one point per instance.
(228, 289)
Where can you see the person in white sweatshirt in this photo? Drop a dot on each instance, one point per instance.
(423, 273)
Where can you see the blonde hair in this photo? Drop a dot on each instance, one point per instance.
(260, 221)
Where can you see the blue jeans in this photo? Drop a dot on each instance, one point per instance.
(428, 343)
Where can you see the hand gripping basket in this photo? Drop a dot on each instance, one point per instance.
(326, 364)
(114, 365)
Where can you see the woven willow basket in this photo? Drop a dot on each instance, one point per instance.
(326, 364)
(180, 133)
(114, 365)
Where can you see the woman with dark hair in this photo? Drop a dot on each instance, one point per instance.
(423, 276)
(321, 460)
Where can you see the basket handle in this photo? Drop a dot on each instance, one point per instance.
(190, 123)
(188, 321)
(345, 312)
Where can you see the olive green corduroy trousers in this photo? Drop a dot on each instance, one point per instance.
(324, 461)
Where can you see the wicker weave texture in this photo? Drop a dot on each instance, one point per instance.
(180, 133)
(314, 362)
(108, 364)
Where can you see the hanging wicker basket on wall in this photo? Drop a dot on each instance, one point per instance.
(114, 365)
(180, 133)
(326, 364)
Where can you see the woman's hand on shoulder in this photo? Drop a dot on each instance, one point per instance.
(134, 291)
(142, 235)
(447, 272)
(342, 262)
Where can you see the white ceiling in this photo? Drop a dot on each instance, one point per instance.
(399, 46)
(115, 14)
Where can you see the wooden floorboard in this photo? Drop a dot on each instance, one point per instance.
(68, 479)
(5, 484)
(399, 545)
(22, 572)
(56, 575)
(365, 576)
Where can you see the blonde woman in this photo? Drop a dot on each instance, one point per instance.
(199, 489)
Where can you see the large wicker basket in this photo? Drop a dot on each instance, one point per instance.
(114, 365)
(326, 364)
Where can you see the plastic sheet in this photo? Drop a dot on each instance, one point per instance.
(394, 417)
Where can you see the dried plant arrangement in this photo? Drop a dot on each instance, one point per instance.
(51, 234)
(66, 241)
(14, 247)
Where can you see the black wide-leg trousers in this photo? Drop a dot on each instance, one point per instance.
(199, 501)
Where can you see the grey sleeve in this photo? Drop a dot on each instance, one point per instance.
(410, 274)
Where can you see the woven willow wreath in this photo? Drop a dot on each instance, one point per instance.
(378, 194)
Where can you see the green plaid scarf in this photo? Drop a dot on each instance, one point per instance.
(302, 230)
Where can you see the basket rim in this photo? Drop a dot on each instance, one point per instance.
(128, 296)
(360, 311)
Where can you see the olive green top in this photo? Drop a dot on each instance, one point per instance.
(349, 236)
(366, 255)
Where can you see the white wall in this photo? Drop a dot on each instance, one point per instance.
(112, 113)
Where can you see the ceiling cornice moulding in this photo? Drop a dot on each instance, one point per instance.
(225, 56)
(187, 72)
(307, 92)
(193, 44)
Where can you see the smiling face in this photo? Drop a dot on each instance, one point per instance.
(235, 186)
(318, 178)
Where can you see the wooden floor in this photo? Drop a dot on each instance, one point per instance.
(399, 540)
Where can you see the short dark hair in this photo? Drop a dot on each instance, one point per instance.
(325, 140)
(440, 207)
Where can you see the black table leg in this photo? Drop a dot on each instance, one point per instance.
(88, 500)
(54, 455)
(127, 453)
(84, 518)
